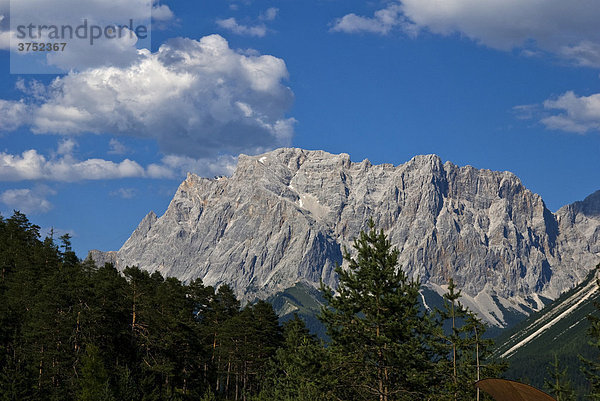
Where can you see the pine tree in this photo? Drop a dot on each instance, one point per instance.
(94, 377)
(26, 264)
(246, 343)
(557, 383)
(300, 369)
(380, 339)
(262, 339)
(466, 349)
(52, 335)
(451, 334)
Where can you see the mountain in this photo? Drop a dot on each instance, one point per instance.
(284, 217)
(559, 329)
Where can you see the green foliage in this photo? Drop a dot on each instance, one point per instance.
(94, 377)
(72, 331)
(568, 339)
(304, 301)
(591, 366)
(557, 382)
(461, 334)
(381, 341)
(300, 368)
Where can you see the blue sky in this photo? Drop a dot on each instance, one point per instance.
(495, 84)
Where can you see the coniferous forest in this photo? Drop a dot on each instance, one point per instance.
(72, 331)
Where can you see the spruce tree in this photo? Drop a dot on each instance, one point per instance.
(380, 339)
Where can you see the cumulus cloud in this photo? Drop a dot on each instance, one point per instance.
(195, 98)
(232, 25)
(566, 29)
(161, 12)
(554, 26)
(68, 10)
(30, 165)
(29, 201)
(118, 52)
(63, 166)
(578, 114)
(34, 89)
(13, 114)
(79, 54)
(381, 23)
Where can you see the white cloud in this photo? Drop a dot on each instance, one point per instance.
(565, 29)
(66, 147)
(125, 193)
(5, 37)
(585, 53)
(31, 165)
(63, 166)
(259, 29)
(5, 32)
(78, 54)
(270, 14)
(381, 23)
(232, 25)
(34, 89)
(118, 52)
(27, 200)
(526, 111)
(59, 11)
(162, 12)
(13, 114)
(579, 114)
(186, 96)
(116, 147)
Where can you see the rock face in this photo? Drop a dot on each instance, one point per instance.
(284, 217)
(579, 225)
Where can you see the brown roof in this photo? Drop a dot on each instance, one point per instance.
(508, 390)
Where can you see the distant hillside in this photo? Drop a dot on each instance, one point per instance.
(560, 328)
(304, 301)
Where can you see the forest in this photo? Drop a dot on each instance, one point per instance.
(70, 330)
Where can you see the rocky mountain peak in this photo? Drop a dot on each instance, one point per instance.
(590, 206)
(283, 217)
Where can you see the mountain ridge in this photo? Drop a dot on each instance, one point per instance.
(560, 331)
(283, 217)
